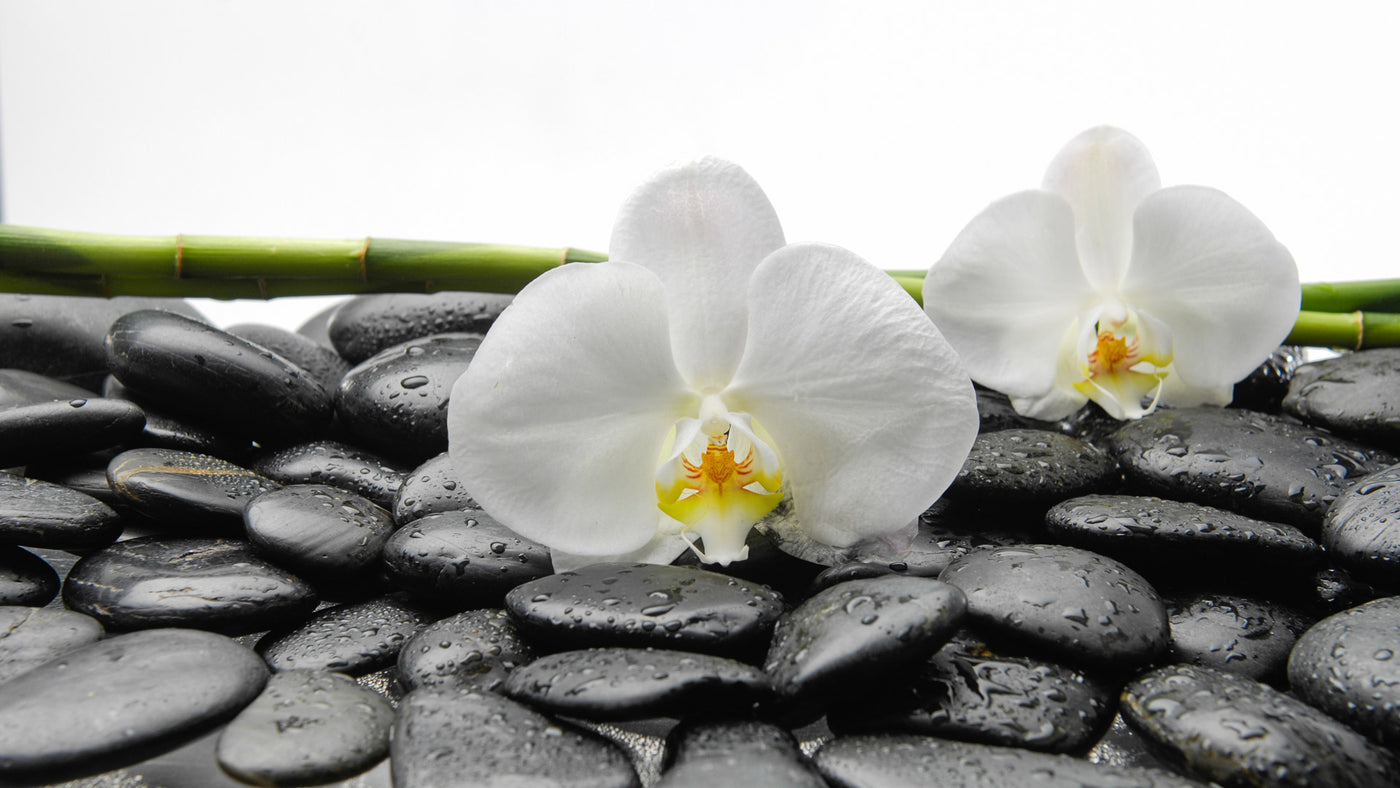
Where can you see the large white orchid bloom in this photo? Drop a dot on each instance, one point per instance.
(622, 410)
(1104, 286)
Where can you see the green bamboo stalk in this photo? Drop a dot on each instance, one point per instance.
(1374, 295)
(1354, 330)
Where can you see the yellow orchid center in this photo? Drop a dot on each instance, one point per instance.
(1121, 364)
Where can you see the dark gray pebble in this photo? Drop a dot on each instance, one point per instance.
(365, 325)
(356, 639)
(190, 491)
(995, 413)
(1348, 665)
(447, 736)
(1251, 637)
(1031, 467)
(164, 431)
(208, 583)
(475, 648)
(1353, 394)
(306, 728)
(1082, 606)
(462, 560)
(1361, 531)
(25, 579)
(41, 514)
(319, 531)
(337, 464)
(31, 636)
(1264, 389)
(722, 753)
(432, 488)
(20, 387)
(323, 363)
(1121, 745)
(47, 431)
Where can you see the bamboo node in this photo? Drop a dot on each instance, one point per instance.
(262, 288)
(364, 259)
(1360, 328)
(180, 256)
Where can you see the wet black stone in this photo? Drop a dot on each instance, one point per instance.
(207, 583)
(198, 372)
(889, 760)
(365, 325)
(192, 491)
(1361, 530)
(1251, 637)
(31, 636)
(318, 531)
(454, 736)
(1237, 731)
(459, 560)
(164, 431)
(1256, 464)
(337, 464)
(1353, 394)
(1264, 388)
(1121, 745)
(949, 529)
(50, 430)
(1031, 466)
(63, 336)
(1083, 607)
(639, 605)
(968, 692)
(475, 648)
(395, 402)
(116, 700)
(323, 363)
(995, 413)
(20, 387)
(41, 514)
(316, 327)
(1335, 590)
(861, 634)
(432, 488)
(721, 753)
(306, 728)
(1348, 665)
(25, 579)
(355, 639)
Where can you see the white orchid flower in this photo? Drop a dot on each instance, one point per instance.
(623, 410)
(1104, 286)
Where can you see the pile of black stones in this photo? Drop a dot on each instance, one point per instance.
(233, 557)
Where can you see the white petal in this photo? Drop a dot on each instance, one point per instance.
(662, 549)
(557, 425)
(1214, 274)
(869, 409)
(702, 227)
(1006, 291)
(1104, 173)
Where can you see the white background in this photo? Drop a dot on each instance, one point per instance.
(879, 126)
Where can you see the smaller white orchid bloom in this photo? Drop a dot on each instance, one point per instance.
(632, 409)
(1104, 286)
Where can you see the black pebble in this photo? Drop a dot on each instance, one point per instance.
(1264, 388)
(713, 753)
(432, 488)
(41, 514)
(190, 491)
(1348, 665)
(365, 325)
(320, 531)
(1251, 637)
(474, 648)
(337, 464)
(31, 636)
(25, 579)
(1021, 466)
(460, 560)
(355, 639)
(1353, 394)
(1361, 531)
(46, 431)
(320, 361)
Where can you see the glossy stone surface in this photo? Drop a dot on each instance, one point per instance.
(431, 488)
(1348, 665)
(365, 325)
(1251, 637)
(1361, 531)
(460, 560)
(54, 430)
(337, 464)
(21, 387)
(1264, 389)
(321, 362)
(31, 636)
(318, 530)
(475, 648)
(354, 639)
(1024, 466)
(1353, 394)
(733, 752)
(208, 583)
(24, 578)
(190, 491)
(41, 514)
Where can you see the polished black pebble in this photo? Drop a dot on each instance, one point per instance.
(356, 639)
(968, 692)
(306, 728)
(890, 760)
(1361, 531)
(21, 387)
(459, 560)
(186, 490)
(934, 546)
(447, 736)
(1238, 731)
(41, 514)
(995, 413)
(1081, 606)
(208, 583)
(861, 634)
(1122, 745)
(1263, 466)
(1264, 389)
(395, 402)
(365, 325)
(199, 372)
(25, 579)
(638, 605)
(53, 430)
(1251, 637)
(320, 531)
(1031, 466)
(1348, 665)
(117, 700)
(708, 752)
(164, 431)
(323, 363)
(337, 464)
(1352, 394)
(474, 648)
(31, 636)
(432, 488)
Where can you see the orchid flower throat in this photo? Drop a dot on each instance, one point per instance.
(1123, 357)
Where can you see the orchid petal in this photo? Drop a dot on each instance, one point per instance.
(557, 426)
(1103, 173)
(702, 228)
(868, 407)
(1008, 289)
(1208, 268)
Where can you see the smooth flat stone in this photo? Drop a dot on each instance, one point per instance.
(318, 530)
(1259, 465)
(1352, 394)
(365, 325)
(337, 464)
(207, 583)
(306, 728)
(196, 371)
(715, 753)
(1081, 606)
(460, 560)
(1347, 665)
(41, 514)
(54, 430)
(1031, 466)
(185, 489)
(1251, 637)
(22, 387)
(432, 488)
(118, 698)
(448, 736)
(395, 402)
(1263, 389)
(475, 648)
(1361, 531)
(354, 639)
(1237, 731)
(25, 579)
(31, 636)
(861, 634)
(164, 431)
(639, 605)
(320, 361)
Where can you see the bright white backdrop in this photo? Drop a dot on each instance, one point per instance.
(880, 126)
